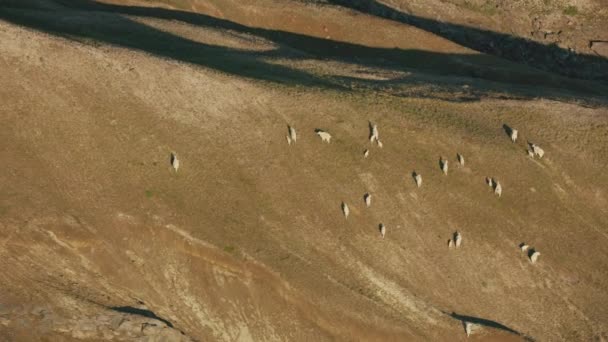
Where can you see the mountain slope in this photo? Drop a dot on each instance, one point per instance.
(101, 239)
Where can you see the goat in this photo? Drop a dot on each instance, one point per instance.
(382, 229)
(326, 137)
(523, 247)
(174, 161)
(368, 199)
(530, 154)
(513, 135)
(457, 239)
(468, 328)
(489, 181)
(292, 137)
(365, 153)
(444, 165)
(417, 179)
(345, 210)
(450, 243)
(373, 132)
(379, 143)
(537, 150)
(497, 188)
(460, 159)
(534, 256)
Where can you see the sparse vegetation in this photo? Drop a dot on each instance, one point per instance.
(149, 193)
(487, 8)
(571, 10)
(229, 249)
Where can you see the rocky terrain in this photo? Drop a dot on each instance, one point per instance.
(101, 240)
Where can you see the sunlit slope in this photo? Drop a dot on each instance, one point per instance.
(247, 240)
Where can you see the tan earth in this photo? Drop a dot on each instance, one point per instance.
(101, 240)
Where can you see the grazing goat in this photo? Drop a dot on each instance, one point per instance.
(534, 256)
(530, 154)
(345, 210)
(460, 159)
(365, 153)
(513, 135)
(497, 188)
(468, 328)
(457, 239)
(444, 165)
(489, 181)
(382, 229)
(523, 247)
(373, 132)
(292, 137)
(174, 161)
(379, 143)
(418, 179)
(450, 243)
(368, 199)
(537, 150)
(326, 137)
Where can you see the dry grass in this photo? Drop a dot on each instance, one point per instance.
(248, 239)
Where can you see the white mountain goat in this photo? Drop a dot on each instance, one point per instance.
(444, 165)
(292, 137)
(373, 132)
(457, 239)
(460, 159)
(326, 137)
(537, 150)
(534, 256)
(382, 229)
(345, 210)
(368, 199)
(379, 143)
(513, 135)
(174, 161)
(365, 153)
(489, 181)
(450, 243)
(497, 188)
(523, 247)
(417, 179)
(468, 328)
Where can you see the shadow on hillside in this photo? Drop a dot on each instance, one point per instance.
(488, 323)
(140, 312)
(517, 49)
(103, 23)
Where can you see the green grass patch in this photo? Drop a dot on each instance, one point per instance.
(571, 10)
(488, 8)
(229, 249)
(149, 193)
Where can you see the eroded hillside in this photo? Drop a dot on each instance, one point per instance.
(101, 240)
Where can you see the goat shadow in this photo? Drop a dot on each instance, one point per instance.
(441, 163)
(508, 129)
(414, 175)
(141, 312)
(487, 323)
(365, 196)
